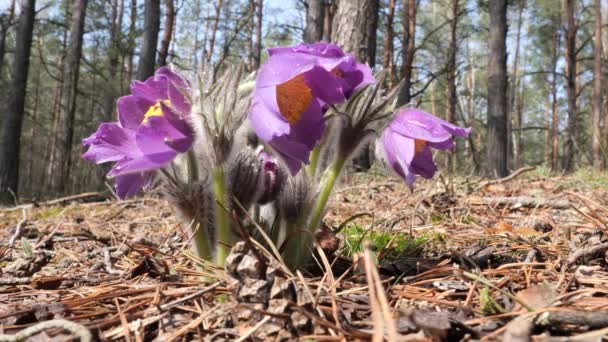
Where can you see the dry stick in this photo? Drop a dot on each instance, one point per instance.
(331, 279)
(245, 336)
(586, 251)
(522, 201)
(20, 225)
(79, 330)
(378, 297)
(506, 179)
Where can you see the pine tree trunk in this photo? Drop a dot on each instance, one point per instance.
(514, 85)
(315, 12)
(387, 59)
(451, 75)
(596, 100)
(328, 19)
(571, 66)
(131, 43)
(13, 120)
(257, 60)
(147, 58)
(352, 31)
(409, 43)
(250, 29)
(168, 33)
(554, 115)
(31, 157)
(65, 123)
(113, 51)
(5, 23)
(497, 91)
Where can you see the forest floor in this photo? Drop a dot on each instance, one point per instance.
(465, 261)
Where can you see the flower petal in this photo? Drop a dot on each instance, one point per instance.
(130, 184)
(110, 143)
(131, 110)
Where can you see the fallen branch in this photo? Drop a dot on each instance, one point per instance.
(20, 225)
(585, 252)
(518, 202)
(82, 332)
(510, 177)
(589, 319)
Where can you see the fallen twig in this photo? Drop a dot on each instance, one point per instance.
(586, 251)
(79, 330)
(518, 202)
(20, 225)
(510, 177)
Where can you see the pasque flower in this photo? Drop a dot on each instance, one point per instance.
(408, 140)
(293, 89)
(153, 127)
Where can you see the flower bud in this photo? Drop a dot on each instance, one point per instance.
(245, 177)
(292, 200)
(273, 178)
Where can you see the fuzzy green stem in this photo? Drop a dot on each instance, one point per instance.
(225, 237)
(200, 241)
(314, 161)
(327, 184)
(192, 167)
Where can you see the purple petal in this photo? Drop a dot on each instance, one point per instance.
(325, 85)
(131, 110)
(420, 125)
(422, 164)
(172, 76)
(129, 185)
(110, 143)
(148, 162)
(443, 145)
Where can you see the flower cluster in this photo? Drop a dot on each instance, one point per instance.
(221, 179)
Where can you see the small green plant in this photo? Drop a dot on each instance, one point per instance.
(402, 245)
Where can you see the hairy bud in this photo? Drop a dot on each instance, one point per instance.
(292, 200)
(245, 177)
(273, 178)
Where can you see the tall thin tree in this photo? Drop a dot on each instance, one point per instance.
(451, 73)
(168, 32)
(497, 91)
(64, 134)
(387, 58)
(315, 13)
(596, 100)
(571, 66)
(259, 16)
(13, 120)
(408, 50)
(6, 20)
(147, 58)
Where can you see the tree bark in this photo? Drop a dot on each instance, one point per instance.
(451, 75)
(497, 91)
(5, 22)
(570, 56)
(513, 148)
(147, 57)
(168, 33)
(13, 121)
(113, 51)
(409, 43)
(131, 43)
(597, 87)
(554, 115)
(387, 59)
(216, 21)
(328, 19)
(315, 13)
(61, 166)
(257, 57)
(250, 29)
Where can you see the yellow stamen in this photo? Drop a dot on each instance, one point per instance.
(293, 98)
(155, 110)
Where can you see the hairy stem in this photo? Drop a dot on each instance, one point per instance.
(327, 184)
(225, 236)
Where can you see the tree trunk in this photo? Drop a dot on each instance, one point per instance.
(570, 56)
(497, 91)
(387, 59)
(514, 85)
(13, 120)
(250, 29)
(352, 31)
(5, 23)
(168, 33)
(554, 115)
(328, 19)
(65, 123)
(216, 21)
(315, 12)
(147, 57)
(257, 60)
(409, 43)
(131, 43)
(32, 156)
(597, 87)
(113, 51)
(451, 75)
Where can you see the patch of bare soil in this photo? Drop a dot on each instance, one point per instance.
(512, 260)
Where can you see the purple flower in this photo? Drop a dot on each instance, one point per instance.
(152, 128)
(408, 140)
(273, 178)
(292, 89)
